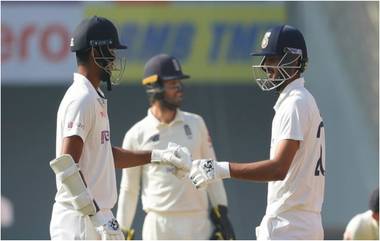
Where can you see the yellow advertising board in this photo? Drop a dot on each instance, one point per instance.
(213, 41)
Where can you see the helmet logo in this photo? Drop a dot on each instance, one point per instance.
(294, 51)
(176, 65)
(265, 41)
(72, 42)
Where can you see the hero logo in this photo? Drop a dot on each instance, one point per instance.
(105, 136)
(19, 44)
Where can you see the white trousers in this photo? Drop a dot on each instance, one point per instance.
(68, 224)
(167, 225)
(294, 224)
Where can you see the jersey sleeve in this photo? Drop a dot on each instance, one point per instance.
(293, 122)
(215, 191)
(129, 187)
(79, 118)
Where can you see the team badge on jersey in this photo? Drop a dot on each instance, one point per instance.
(188, 131)
(154, 138)
(104, 136)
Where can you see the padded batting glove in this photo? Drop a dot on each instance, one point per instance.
(175, 155)
(107, 226)
(129, 234)
(205, 171)
(223, 229)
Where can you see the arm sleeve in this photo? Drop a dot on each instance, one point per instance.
(215, 190)
(129, 188)
(79, 118)
(293, 124)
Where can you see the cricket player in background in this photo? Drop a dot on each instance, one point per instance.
(85, 160)
(175, 208)
(295, 171)
(365, 226)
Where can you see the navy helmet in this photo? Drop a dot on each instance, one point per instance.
(94, 32)
(101, 34)
(278, 39)
(158, 69)
(288, 44)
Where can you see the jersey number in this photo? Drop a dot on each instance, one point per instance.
(319, 168)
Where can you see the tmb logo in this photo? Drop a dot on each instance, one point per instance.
(105, 136)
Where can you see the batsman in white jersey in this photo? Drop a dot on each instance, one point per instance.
(85, 160)
(175, 208)
(295, 171)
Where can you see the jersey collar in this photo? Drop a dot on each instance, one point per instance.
(179, 117)
(295, 84)
(80, 79)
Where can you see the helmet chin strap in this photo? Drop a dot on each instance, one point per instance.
(102, 62)
(105, 77)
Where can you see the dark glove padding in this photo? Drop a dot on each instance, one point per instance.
(129, 234)
(223, 229)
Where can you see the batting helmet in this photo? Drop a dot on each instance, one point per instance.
(287, 43)
(94, 32)
(101, 34)
(158, 69)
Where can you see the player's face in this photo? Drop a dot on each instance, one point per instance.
(273, 71)
(272, 61)
(112, 61)
(173, 92)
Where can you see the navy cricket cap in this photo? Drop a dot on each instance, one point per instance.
(162, 67)
(278, 38)
(93, 32)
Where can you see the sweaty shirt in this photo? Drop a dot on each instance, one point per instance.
(297, 118)
(83, 112)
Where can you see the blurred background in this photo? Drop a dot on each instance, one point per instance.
(213, 42)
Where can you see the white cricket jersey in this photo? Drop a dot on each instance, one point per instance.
(362, 227)
(83, 112)
(162, 191)
(297, 118)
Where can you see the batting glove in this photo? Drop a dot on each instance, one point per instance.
(222, 226)
(107, 226)
(205, 171)
(175, 155)
(129, 234)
